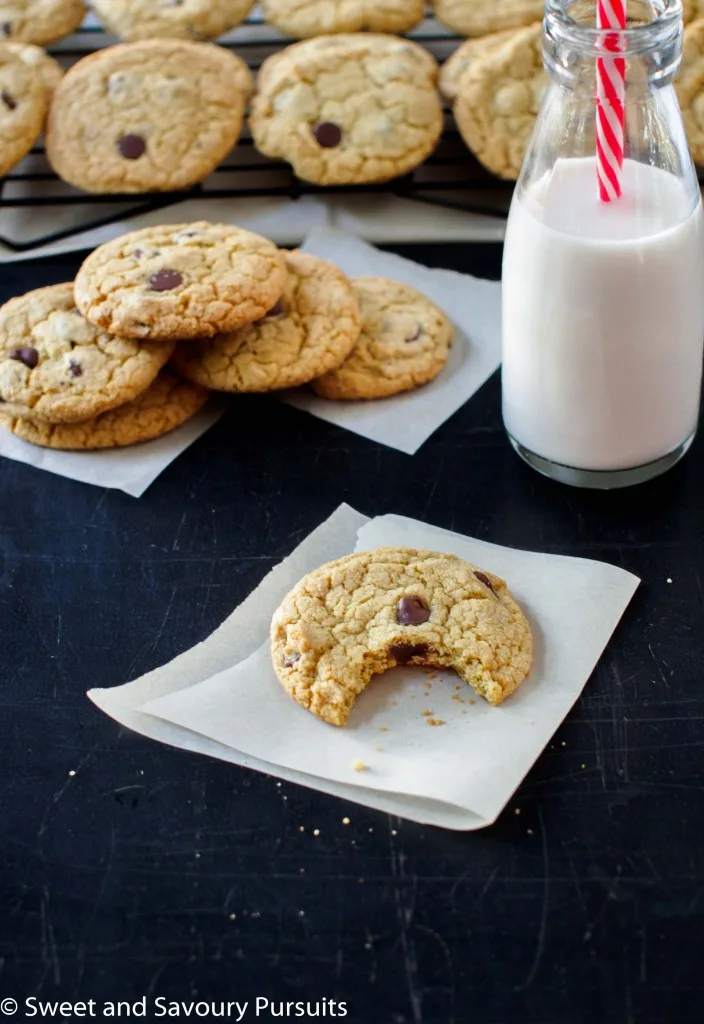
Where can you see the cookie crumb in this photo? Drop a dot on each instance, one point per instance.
(669, 580)
(72, 773)
(359, 766)
(563, 744)
(316, 831)
(471, 700)
(583, 766)
(394, 832)
(301, 828)
(427, 714)
(530, 831)
(346, 821)
(233, 917)
(384, 728)
(436, 721)
(517, 810)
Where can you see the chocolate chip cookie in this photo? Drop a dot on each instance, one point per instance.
(363, 614)
(48, 69)
(311, 329)
(40, 21)
(180, 281)
(690, 88)
(481, 17)
(348, 109)
(56, 366)
(303, 18)
(405, 342)
(153, 116)
(498, 100)
(455, 67)
(23, 106)
(166, 404)
(178, 19)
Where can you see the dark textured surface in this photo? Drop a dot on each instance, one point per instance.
(156, 872)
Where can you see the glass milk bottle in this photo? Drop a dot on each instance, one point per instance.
(603, 301)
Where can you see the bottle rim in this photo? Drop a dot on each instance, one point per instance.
(634, 40)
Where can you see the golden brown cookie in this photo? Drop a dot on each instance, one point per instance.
(499, 99)
(153, 116)
(405, 342)
(304, 18)
(183, 19)
(482, 17)
(56, 366)
(348, 109)
(39, 21)
(180, 281)
(363, 614)
(311, 329)
(453, 70)
(23, 106)
(168, 403)
(49, 70)
(693, 9)
(690, 88)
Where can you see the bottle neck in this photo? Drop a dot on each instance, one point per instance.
(651, 43)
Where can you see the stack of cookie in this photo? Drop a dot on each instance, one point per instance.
(82, 365)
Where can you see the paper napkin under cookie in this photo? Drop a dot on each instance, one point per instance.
(222, 698)
(405, 421)
(130, 469)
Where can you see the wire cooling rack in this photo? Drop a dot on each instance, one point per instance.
(38, 209)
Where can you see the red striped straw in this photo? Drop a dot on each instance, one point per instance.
(610, 102)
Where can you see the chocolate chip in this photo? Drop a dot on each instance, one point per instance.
(403, 653)
(9, 100)
(29, 356)
(138, 253)
(277, 310)
(74, 368)
(165, 280)
(7, 29)
(412, 611)
(416, 336)
(131, 146)
(291, 659)
(485, 580)
(327, 134)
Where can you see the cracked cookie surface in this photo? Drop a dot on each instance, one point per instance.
(499, 99)
(456, 66)
(180, 281)
(405, 342)
(312, 329)
(58, 367)
(165, 405)
(151, 116)
(368, 612)
(348, 109)
(303, 18)
(187, 19)
(481, 17)
(23, 106)
(39, 21)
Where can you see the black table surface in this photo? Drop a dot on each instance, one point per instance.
(154, 873)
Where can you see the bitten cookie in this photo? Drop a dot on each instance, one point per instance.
(165, 405)
(348, 109)
(363, 614)
(499, 99)
(481, 17)
(39, 21)
(23, 106)
(56, 366)
(456, 66)
(303, 18)
(690, 88)
(405, 342)
(182, 19)
(48, 69)
(153, 116)
(180, 281)
(311, 329)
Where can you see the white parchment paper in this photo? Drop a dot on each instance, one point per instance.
(130, 469)
(222, 698)
(405, 421)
